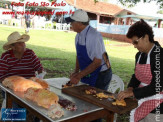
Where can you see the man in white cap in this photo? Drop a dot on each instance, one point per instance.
(90, 65)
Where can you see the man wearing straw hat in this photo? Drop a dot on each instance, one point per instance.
(18, 60)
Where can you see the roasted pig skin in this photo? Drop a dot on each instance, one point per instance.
(17, 83)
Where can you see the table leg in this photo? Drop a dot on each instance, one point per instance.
(110, 117)
(85, 118)
(8, 101)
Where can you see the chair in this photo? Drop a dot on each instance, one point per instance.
(48, 25)
(58, 26)
(17, 23)
(116, 85)
(68, 27)
(64, 26)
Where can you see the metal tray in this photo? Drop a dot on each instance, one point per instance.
(83, 107)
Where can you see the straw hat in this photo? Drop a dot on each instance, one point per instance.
(15, 37)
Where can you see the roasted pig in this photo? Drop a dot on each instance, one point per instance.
(17, 83)
(42, 97)
(46, 99)
(42, 82)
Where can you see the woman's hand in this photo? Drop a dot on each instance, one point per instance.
(125, 94)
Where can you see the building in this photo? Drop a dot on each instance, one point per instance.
(103, 12)
(111, 20)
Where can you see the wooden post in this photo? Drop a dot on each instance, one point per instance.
(128, 20)
(98, 19)
(117, 21)
(159, 23)
(121, 21)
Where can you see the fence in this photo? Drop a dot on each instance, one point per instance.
(120, 29)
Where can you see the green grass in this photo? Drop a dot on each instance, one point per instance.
(57, 51)
(122, 59)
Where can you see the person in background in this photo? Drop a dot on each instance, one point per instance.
(35, 21)
(90, 65)
(146, 84)
(155, 25)
(27, 20)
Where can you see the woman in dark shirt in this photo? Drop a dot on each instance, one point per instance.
(147, 81)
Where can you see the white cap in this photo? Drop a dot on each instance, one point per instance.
(79, 16)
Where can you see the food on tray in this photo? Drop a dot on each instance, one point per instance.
(68, 84)
(17, 83)
(42, 97)
(90, 90)
(111, 96)
(119, 102)
(42, 82)
(102, 95)
(46, 99)
(55, 111)
(66, 104)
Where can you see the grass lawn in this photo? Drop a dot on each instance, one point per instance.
(57, 52)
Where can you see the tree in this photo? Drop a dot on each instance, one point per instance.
(160, 12)
(102, 0)
(52, 0)
(95, 1)
(131, 3)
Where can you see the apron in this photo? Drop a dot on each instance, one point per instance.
(145, 105)
(85, 61)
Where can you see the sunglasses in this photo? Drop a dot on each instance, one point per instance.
(135, 42)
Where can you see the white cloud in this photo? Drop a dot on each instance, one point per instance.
(146, 8)
(142, 8)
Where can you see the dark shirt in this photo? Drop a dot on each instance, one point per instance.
(156, 63)
(27, 17)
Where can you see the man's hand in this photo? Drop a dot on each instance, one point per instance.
(75, 78)
(73, 74)
(125, 94)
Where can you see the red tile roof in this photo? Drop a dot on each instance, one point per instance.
(98, 8)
